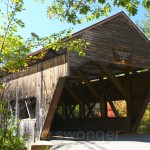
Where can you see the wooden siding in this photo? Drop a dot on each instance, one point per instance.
(117, 33)
(41, 83)
(27, 130)
(53, 106)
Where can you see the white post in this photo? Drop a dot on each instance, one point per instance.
(27, 109)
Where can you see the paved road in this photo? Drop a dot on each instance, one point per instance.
(121, 142)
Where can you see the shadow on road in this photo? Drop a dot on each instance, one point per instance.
(98, 136)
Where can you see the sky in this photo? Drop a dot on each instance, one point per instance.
(35, 19)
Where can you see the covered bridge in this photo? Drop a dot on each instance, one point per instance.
(115, 68)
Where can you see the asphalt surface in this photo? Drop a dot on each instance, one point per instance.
(98, 141)
(118, 142)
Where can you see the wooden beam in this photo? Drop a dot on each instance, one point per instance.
(115, 80)
(103, 106)
(66, 101)
(73, 94)
(90, 109)
(53, 107)
(85, 99)
(94, 124)
(82, 94)
(91, 73)
(111, 103)
(82, 111)
(82, 107)
(66, 110)
(61, 103)
(140, 116)
(92, 89)
(71, 110)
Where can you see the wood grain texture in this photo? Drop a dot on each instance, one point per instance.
(38, 81)
(52, 107)
(115, 33)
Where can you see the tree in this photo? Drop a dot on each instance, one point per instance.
(145, 24)
(75, 11)
(14, 49)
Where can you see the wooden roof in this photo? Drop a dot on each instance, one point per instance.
(108, 19)
(52, 52)
(113, 41)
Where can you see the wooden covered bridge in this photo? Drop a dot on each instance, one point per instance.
(115, 68)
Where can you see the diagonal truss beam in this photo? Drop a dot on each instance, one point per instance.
(53, 107)
(90, 110)
(76, 98)
(71, 111)
(88, 84)
(142, 111)
(111, 103)
(93, 90)
(114, 79)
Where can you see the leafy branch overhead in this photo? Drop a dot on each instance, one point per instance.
(76, 11)
(14, 49)
(61, 40)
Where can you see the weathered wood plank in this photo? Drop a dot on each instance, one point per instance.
(52, 108)
(94, 91)
(90, 110)
(83, 78)
(116, 32)
(115, 80)
(111, 103)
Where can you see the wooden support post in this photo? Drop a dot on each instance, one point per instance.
(66, 107)
(53, 107)
(83, 78)
(111, 104)
(115, 80)
(76, 98)
(61, 103)
(103, 106)
(85, 99)
(93, 90)
(86, 104)
(71, 110)
(81, 107)
(64, 111)
(142, 110)
(90, 110)
(129, 102)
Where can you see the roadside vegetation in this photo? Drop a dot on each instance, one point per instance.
(9, 137)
